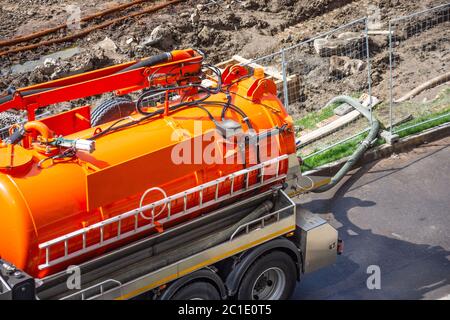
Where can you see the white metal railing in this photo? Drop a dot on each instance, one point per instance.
(398, 130)
(118, 220)
(82, 294)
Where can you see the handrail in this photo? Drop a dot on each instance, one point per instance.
(199, 190)
(100, 285)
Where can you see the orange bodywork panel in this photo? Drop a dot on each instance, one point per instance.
(68, 122)
(140, 170)
(42, 200)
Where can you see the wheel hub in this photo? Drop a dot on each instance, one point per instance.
(269, 285)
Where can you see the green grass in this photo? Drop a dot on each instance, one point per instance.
(313, 118)
(423, 126)
(338, 152)
(347, 148)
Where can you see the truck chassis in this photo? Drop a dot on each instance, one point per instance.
(288, 232)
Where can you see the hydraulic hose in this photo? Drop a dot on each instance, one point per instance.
(221, 236)
(10, 96)
(5, 99)
(154, 60)
(373, 133)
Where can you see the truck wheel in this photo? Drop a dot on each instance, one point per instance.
(198, 290)
(110, 110)
(271, 277)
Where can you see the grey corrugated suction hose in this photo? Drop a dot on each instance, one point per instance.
(162, 257)
(373, 133)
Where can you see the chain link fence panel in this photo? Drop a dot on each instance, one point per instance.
(317, 70)
(419, 62)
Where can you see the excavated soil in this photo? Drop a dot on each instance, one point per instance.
(250, 28)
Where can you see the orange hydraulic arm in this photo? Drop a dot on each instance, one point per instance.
(179, 66)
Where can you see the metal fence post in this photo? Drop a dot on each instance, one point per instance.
(369, 80)
(285, 84)
(390, 78)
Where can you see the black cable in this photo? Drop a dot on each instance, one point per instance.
(173, 88)
(195, 103)
(234, 108)
(228, 93)
(147, 116)
(160, 111)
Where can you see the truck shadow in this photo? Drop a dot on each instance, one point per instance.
(408, 270)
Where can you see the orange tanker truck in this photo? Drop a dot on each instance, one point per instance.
(157, 190)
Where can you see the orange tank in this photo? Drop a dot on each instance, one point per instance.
(42, 199)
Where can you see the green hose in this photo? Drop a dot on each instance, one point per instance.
(373, 133)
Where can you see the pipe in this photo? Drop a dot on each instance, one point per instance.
(160, 58)
(173, 55)
(214, 239)
(91, 29)
(36, 127)
(424, 86)
(9, 97)
(45, 32)
(39, 128)
(373, 133)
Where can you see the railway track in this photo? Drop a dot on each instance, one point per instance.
(12, 46)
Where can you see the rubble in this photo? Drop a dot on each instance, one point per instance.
(8, 119)
(342, 66)
(107, 45)
(250, 28)
(195, 17)
(347, 43)
(49, 66)
(161, 36)
(206, 35)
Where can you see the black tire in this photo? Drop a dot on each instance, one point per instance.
(259, 282)
(198, 290)
(110, 110)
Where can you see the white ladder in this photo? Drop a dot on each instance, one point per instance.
(118, 220)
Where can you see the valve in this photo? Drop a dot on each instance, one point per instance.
(78, 144)
(46, 138)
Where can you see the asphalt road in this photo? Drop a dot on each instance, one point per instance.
(395, 214)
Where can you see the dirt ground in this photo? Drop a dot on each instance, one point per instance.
(250, 28)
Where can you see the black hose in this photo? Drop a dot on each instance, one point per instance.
(9, 97)
(232, 107)
(148, 115)
(373, 133)
(218, 237)
(5, 99)
(154, 60)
